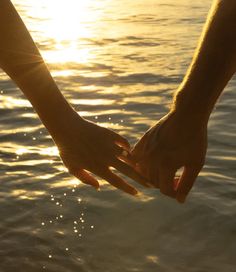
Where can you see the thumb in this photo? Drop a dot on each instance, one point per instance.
(186, 182)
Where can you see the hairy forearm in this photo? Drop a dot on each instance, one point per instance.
(21, 60)
(214, 62)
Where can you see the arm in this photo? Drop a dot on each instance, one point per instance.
(214, 62)
(82, 144)
(180, 138)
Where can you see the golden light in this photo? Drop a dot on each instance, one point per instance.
(65, 20)
(62, 25)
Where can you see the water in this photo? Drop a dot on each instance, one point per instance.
(118, 62)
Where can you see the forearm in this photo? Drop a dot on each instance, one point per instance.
(214, 62)
(21, 60)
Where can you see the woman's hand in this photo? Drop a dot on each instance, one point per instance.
(175, 141)
(86, 147)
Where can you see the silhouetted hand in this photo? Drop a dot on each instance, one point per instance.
(175, 141)
(85, 146)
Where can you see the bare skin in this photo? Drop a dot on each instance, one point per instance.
(180, 138)
(84, 146)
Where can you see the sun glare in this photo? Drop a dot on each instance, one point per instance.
(63, 24)
(65, 20)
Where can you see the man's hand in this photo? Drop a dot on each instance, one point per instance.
(176, 141)
(85, 146)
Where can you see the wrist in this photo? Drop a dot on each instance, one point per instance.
(190, 106)
(57, 114)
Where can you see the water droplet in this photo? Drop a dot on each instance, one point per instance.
(75, 230)
(61, 216)
(67, 249)
(49, 256)
(92, 227)
(43, 224)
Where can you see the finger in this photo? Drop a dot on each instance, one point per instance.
(130, 172)
(141, 168)
(85, 177)
(118, 150)
(119, 183)
(138, 149)
(120, 140)
(186, 182)
(176, 182)
(127, 160)
(152, 173)
(166, 181)
(153, 178)
(125, 156)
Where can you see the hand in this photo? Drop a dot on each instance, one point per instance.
(85, 146)
(176, 141)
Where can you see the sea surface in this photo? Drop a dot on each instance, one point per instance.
(118, 62)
